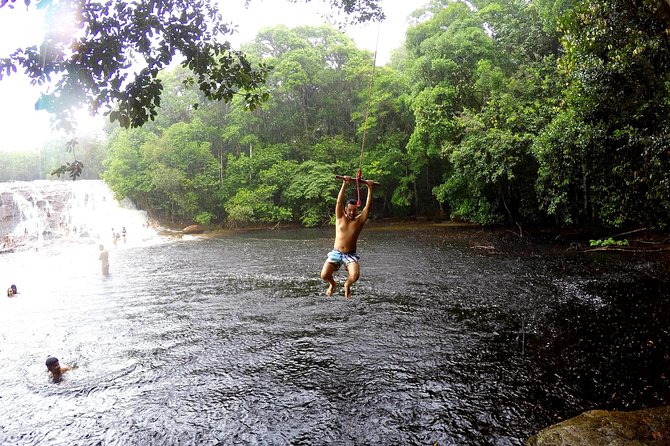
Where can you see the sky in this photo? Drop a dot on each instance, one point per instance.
(23, 128)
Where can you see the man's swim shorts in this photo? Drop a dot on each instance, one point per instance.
(342, 258)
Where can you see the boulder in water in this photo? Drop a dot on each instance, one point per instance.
(602, 427)
(193, 229)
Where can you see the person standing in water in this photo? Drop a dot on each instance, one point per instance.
(104, 258)
(348, 226)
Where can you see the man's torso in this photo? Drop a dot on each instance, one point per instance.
(346, 233)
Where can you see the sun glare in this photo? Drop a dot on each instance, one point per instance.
(87, 125)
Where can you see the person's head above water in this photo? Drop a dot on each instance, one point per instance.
(56, 369)
(52, 363)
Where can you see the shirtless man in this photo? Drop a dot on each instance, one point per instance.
(56, 369)
(348, 226)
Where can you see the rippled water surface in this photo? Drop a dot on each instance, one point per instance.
(451, 337)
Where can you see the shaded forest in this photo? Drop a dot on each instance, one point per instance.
(548, 112)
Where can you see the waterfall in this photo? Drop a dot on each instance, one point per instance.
(37, 212)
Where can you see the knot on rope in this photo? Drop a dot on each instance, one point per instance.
(359, 175)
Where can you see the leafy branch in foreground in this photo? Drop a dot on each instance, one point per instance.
(107, 56)
(73, 169)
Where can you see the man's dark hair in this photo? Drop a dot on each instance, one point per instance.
(352, 201)
(51, 361)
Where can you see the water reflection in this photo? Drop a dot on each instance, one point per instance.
(230, 340)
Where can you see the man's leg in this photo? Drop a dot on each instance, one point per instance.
(354, 272)
(327, 275)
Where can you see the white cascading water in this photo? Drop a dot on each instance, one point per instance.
(33, 213)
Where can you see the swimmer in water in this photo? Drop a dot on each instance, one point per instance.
(55, 369)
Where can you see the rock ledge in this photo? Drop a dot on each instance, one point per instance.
(646, 427)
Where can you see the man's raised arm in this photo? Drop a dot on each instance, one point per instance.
(368, 203)
(339, 206)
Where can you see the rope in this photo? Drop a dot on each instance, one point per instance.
(359, 174)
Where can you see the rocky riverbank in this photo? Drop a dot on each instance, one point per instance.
(646, 427)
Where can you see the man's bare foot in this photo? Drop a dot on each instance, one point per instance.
(347, 290)
(331, 288)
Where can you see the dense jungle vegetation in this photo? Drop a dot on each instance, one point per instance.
(542, 112)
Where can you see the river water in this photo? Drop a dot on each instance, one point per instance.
(453, 336)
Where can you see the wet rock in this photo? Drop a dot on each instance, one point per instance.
(600, 428)
(193, 229)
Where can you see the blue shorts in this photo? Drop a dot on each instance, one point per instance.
(342, 258)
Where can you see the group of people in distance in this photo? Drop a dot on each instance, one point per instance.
(116, 236)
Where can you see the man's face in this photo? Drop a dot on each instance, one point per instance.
(350, 211)
(54, 368)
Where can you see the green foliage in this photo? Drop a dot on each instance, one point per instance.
(488, 87)
(175, 174)
(128, 170)
(477, 210)
(260, 180)
(252, 206)
(336, 150)
(563, 181)
(19, 166)
(617, 62)
(496, 111)
(204, 218)
(312, 193)
(608, 242)
(446, 51)
(387, 164)
(184, 170)
(403, 196)
(317, 75)
(255, 186)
